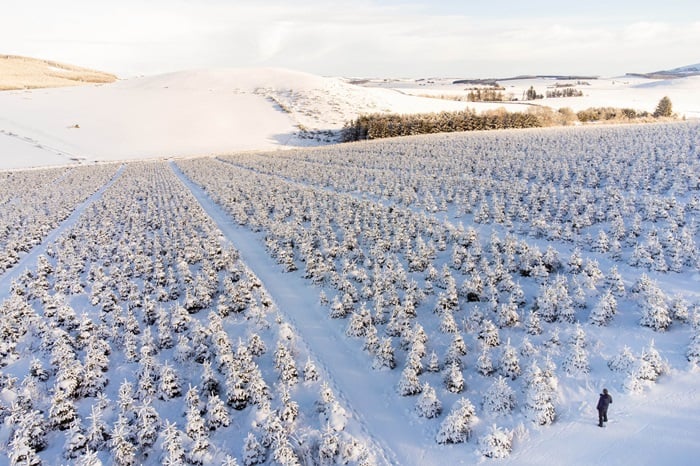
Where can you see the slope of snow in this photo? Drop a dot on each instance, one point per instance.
(21, 152)
(117, 122)
(188, 113)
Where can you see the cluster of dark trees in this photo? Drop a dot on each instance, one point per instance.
(379, 125)
(610, 113)
(531, 94)
(564, 92)
(486, 95)
(385, 125)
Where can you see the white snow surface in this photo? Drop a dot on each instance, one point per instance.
(185, 113)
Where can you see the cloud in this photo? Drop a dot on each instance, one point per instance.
(364, 37)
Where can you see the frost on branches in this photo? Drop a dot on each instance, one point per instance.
(497, 443)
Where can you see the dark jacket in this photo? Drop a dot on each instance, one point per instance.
(604, 401)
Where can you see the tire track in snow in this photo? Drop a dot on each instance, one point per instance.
(16, 270)
(402, 440)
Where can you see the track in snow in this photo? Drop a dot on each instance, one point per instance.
(372, 403)
(16, 270)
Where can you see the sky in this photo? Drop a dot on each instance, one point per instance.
(360, 38)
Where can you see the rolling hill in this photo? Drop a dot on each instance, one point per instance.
(18, 72)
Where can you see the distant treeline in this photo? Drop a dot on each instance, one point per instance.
(386, 125)
(565, 92)
(610, 113)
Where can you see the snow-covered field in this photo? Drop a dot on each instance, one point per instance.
(208, 112)
(445, 299)
(633, 92)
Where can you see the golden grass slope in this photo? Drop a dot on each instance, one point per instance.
(31, 73)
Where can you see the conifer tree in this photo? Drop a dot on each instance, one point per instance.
(385, 355)
(657, 365)
(484, 363)
(509, 364)
(209, 382)
(147, 425)
(576, 361)
(457, 426)
(625, 361)
(329, 447)
(173, 451)
(499, 398)
(21, 454)
(198, 451)
(283, 453)
(488, 333)
(31, 429)
(253, 451)
(428, 404)
(497, 443)
(655, 311)
(409, 384)
(532, 324)
(454, 379)
(217, 415)
(433, 363)
(62, 411)
(169, 386)
(664, 108)
(310, 371)
(539, 397)
(97, 433)
(605, 310)
(122, 443)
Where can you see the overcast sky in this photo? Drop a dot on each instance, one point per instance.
(393, 38)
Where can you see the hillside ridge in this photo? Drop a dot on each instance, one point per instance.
(18, 72)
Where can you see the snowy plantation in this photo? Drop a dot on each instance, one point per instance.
(446, 299)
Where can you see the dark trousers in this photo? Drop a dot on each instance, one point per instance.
(602, 416)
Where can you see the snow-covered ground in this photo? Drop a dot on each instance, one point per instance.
(185, 114)
(206, 112)
(637, 93)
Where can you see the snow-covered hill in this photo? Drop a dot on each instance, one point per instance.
(187, 113)
(680, 72)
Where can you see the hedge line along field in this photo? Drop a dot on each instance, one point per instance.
(422, 300)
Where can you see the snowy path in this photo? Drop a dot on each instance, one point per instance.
(373, 401)
(31, 256)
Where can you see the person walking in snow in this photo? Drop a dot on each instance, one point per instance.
(604, 401)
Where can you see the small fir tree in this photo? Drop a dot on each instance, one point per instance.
(454, 380)
(428, 404)
(457, 426)
(497, 443)
(499, 398)
(664, 108)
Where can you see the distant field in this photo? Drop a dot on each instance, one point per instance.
(31, 73)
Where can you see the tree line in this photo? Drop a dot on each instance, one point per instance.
(386, 125)
(380, 125)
